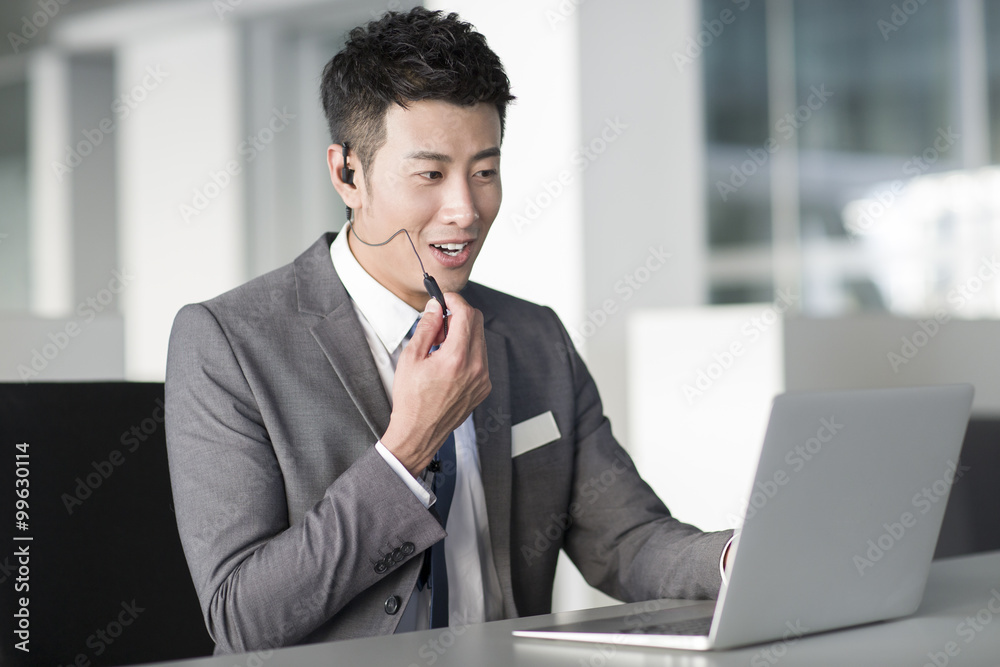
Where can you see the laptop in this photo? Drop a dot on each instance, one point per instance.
(840, 528)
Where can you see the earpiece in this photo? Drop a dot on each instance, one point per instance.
(348, 173)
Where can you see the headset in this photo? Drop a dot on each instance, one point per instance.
(348, 174)
(430, 285)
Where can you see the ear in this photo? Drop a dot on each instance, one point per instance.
(349, 192)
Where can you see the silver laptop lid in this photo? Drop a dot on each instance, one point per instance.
(844, 511)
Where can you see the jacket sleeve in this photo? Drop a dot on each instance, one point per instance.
(261, 582)
(626, 543)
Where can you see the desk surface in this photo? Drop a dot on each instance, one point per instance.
(960, 614)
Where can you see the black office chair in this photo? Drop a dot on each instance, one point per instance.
(972, 518)
(107, 578)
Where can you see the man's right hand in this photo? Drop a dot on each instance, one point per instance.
(432, 394)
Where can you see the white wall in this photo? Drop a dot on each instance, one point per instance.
(874, 351)
(535, 248)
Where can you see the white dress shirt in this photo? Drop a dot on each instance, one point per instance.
(473, 586)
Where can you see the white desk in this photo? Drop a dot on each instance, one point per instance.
(955, 615)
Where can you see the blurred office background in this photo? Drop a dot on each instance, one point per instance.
(827, 167)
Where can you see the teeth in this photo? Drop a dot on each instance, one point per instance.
(450, 249)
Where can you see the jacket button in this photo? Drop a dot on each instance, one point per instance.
(381, 567)
(392, 604)
(408, 548)
(397, 554)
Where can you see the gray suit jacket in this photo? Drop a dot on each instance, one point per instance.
(296, 530)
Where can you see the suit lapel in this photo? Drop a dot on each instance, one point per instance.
(343, 342)
(339, 333)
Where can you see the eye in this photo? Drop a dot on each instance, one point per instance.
(487, 173)
(431, 175)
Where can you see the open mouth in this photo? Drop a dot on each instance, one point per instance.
(450, 249)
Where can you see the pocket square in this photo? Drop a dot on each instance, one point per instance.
(533, 433)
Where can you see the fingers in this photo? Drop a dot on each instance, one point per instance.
(428, 329)
(434, 393)
(466, 336)
(467, 331)
(464, 320)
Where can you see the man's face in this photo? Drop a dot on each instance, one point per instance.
(438, 177)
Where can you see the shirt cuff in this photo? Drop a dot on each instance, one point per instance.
(722, 560)
(417, 486)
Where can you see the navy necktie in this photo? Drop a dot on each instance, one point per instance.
(444, 489)
(445, 468)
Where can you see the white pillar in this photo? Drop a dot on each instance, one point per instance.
(51, 240)
(646, 190)
(179, 138)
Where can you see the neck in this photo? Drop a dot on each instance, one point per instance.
(369, 261)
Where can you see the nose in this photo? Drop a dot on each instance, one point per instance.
(460, 205)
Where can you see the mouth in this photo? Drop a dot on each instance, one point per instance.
(451, 255)
(450, 249)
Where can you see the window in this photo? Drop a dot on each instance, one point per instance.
(818, 113)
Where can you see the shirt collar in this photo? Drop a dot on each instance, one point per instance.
(389, 316)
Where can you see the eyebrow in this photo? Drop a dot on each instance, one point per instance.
(441, 157)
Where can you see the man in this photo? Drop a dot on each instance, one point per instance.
(319, 444)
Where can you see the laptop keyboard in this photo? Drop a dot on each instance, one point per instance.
(691, 626)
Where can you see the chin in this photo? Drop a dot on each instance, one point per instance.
(454, 284)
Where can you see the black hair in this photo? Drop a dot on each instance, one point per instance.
(406, 57)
